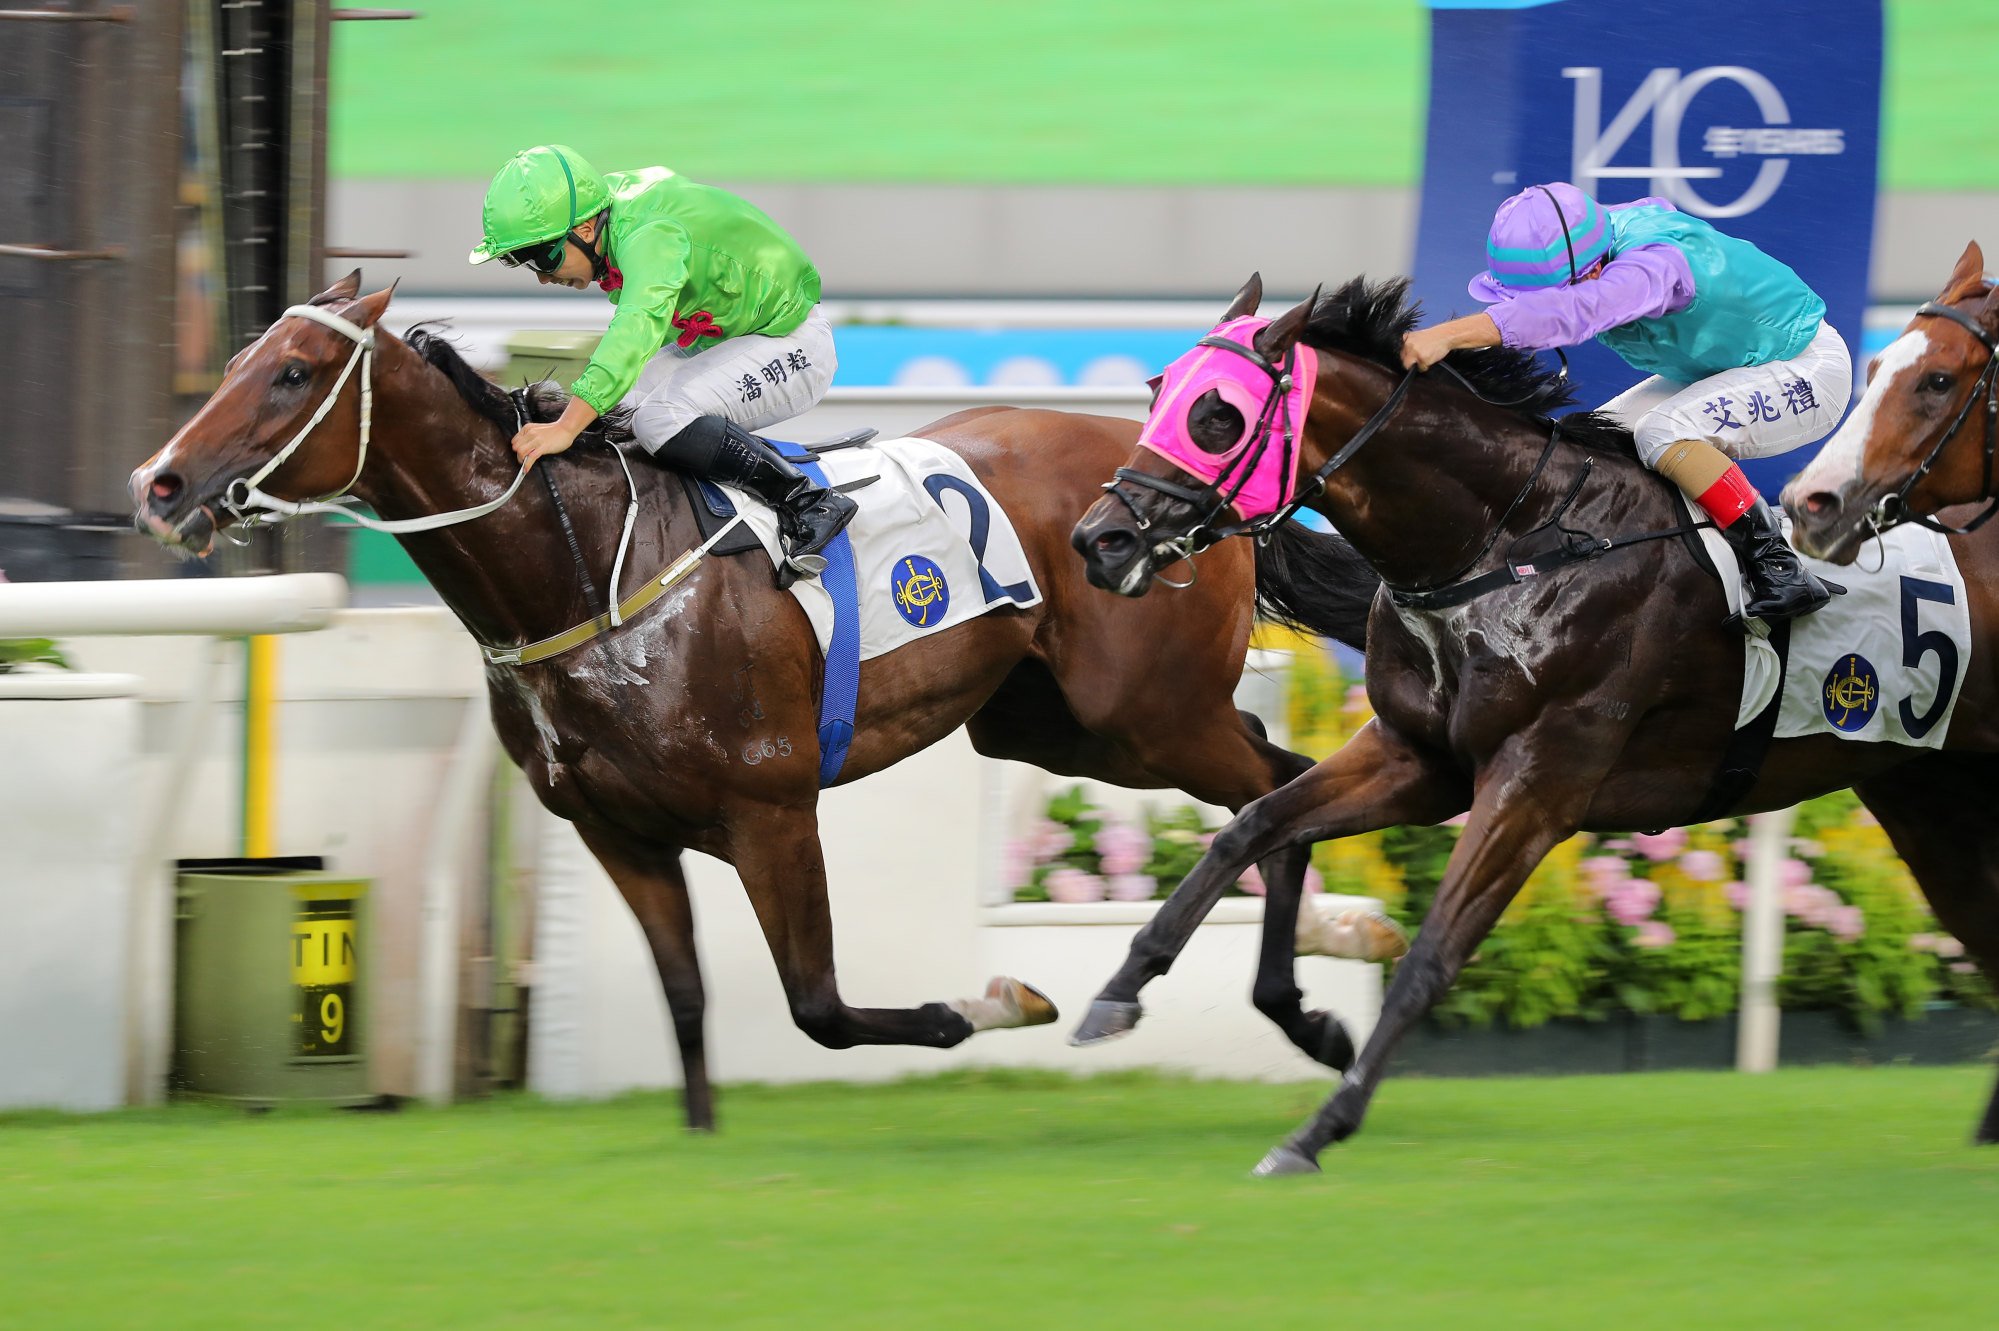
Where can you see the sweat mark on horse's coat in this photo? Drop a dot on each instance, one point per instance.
(1453, 627)
(531, 699)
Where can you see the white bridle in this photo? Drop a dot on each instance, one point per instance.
(252, 507)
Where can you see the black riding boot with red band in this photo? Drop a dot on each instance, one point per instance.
(1780, 587)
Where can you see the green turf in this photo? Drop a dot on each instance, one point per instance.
(1071, 91)
(1823, 1199)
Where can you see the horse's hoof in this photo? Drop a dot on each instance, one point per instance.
(1033, 1008)
(1335, 1047)
(1284, 1160)
(1106, 1020)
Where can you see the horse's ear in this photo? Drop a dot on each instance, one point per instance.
(1247, 299)
(370, 308)
(346, 289)
(1988, 309)
(1968, 276)
(1283, 331)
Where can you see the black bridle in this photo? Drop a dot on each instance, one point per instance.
(1549, 546)
(1212, 500)
(1893, 510)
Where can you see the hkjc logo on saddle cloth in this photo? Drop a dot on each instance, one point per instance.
(1852, 692)
(920, 590)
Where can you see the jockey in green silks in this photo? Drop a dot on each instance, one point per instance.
(717, 332)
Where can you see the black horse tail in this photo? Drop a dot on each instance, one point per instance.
(1316, 582)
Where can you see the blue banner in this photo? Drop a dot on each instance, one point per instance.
(1762, 119)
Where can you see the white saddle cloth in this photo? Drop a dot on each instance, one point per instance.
(1884, 662)
(932, 547)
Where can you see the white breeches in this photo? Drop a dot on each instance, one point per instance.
(755, 381)
(1753, 412)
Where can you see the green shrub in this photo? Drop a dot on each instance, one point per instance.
(17, 652)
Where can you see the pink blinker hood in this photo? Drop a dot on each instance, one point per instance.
(1246, 387)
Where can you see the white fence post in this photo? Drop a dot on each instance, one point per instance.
(1762, 943)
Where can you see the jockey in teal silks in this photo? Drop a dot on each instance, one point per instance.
(717, 332)
(1743, 364)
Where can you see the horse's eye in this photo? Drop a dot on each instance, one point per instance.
(293, 375)
(1215, 425)
(1937, 381)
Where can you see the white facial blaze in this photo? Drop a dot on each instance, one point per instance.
(1838, 464)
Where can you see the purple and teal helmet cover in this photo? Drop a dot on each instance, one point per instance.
(1544, 236)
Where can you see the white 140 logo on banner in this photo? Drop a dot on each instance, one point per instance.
(1665, 95)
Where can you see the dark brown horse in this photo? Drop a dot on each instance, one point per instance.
(639, 736)
(1598, 696)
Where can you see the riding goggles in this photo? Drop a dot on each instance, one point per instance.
(543, 257)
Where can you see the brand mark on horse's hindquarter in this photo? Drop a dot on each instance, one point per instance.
(757, 751)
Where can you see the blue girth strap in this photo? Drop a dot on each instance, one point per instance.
(842, 688)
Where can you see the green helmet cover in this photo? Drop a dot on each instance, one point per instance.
(540, 194)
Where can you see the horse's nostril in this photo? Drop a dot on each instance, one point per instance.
(1821, 503)
(1115, 542)
(166, 487)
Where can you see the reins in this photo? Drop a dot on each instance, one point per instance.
(252, 507)
(1893, 510)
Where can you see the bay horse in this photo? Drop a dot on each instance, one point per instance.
(694, 725)
(1598, 696)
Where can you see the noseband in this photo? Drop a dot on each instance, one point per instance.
(1893, 510)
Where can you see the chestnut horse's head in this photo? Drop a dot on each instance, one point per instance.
(1923, 435)
(288, 415)
(1223, 437)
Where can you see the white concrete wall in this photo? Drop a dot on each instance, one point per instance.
(66, 829)
(903, 856)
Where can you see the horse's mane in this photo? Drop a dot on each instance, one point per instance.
(1369, 319)
(542, 400)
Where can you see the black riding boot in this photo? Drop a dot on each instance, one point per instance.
(809, 515)
(1779, 586)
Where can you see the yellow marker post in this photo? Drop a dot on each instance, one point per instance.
(260, 734)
